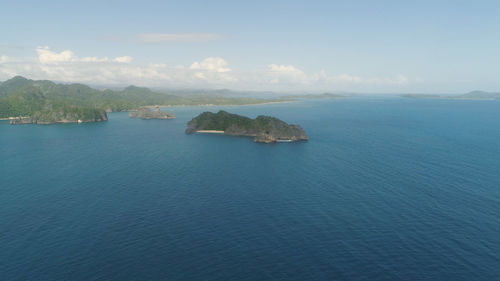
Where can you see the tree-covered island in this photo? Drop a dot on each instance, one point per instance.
(263, 128)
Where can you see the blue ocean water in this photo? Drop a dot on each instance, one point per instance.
(386, 189)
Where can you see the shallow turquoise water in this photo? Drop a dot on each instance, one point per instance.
(386, 188)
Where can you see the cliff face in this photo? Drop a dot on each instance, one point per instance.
(263, 129)
(70, 115)
(146, 113)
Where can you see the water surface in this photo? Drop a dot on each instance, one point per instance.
(386, 188)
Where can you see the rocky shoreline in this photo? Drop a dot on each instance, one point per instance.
(72, 115)
(30, 120)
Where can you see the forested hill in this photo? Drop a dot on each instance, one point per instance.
(24, 97)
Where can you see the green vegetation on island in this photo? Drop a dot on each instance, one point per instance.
(263, 128)
(146, 113)
(41, 102)
(62, 114)
(44, 102)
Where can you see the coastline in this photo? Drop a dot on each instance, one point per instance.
(210, 104)
(179, 105)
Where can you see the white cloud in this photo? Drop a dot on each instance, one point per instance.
(352, 79)
(347, 78)
(213, 70)
(93, 59)
(210, 72)
(293, 76)
(211, 64)
(172, 37)
(124, 59)
(288, 74)
(46, 56)
(68, 67)
(287, 69)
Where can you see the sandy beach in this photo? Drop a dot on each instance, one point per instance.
(210, 131)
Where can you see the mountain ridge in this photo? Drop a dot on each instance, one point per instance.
(22, 97)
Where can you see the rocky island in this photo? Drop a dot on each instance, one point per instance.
(147, 113)
(264, 129)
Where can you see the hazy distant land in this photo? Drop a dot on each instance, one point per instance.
(479, 95)
(315, 96)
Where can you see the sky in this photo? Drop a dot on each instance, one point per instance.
(356, 46)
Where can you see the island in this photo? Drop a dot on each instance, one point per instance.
(146, 113)
(264, 129)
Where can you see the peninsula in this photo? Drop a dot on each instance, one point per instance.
(146, 113)
(26, 101)
(264, 129)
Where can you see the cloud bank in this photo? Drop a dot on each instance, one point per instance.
(46, 56)
(66, 66)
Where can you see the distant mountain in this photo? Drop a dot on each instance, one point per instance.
(31, 98)
(420, 96)
(481, 95)
(471, 95)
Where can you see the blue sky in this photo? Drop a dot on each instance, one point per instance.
(363, 46)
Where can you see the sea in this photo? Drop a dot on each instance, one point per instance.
(387, 188)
